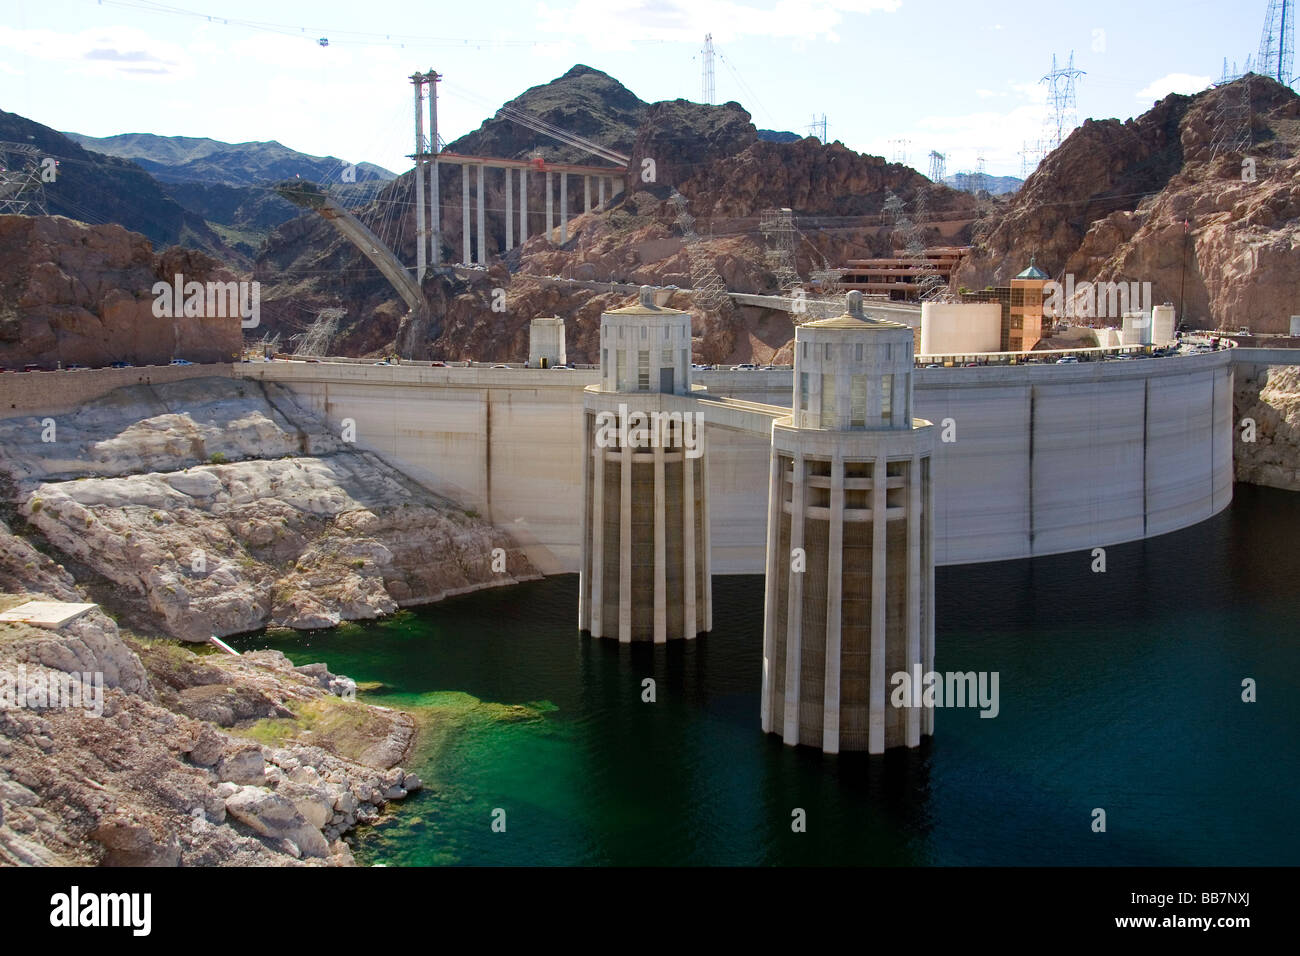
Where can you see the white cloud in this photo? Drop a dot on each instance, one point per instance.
(1173, 83)
(641, 21)
(101, 52)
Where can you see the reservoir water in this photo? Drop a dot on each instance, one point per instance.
(1119, 691)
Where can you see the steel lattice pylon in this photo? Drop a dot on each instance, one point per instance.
(777, 227)
(1231, 120)
(22, 190)
(929, 284)
(316, 340)
(1277, 42)
(710, 291)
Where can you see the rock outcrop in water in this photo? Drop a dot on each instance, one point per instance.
(1271, 400)
(190, 761)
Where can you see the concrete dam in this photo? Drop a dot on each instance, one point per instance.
(1030, 459)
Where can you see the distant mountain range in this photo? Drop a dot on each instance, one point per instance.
(96, 188)
(778, 136)
(227, 184)
(994, 185)
(190, 159)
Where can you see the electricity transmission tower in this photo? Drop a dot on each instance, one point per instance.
(1031, 154)
(981, 183)
(706, 81)
(710, 291)
(1231, 120)
(938, 161)
(316, 340)
(818, 127)
(929, 284)
(1277, 42)
(777, 227)
(900, 151)
(1062, 103)
(22, 190)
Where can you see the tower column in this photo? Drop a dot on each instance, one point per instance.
(421, 240)
(597, 541)
(771, 582)
(586, 194)
(588, 493)
(625, 546)
(876, 674)
(927, 541)
(661, 557)
(914, 588)
(794, 614)
(435, 193)
(510, 219)
(689, 612)
(600, 186)
(834, 588)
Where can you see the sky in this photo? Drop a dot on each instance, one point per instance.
(894, 78)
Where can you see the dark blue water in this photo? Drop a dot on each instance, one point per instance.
(1120, 691)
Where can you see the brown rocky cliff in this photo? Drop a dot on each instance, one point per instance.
(1145, 201)
(75, 293)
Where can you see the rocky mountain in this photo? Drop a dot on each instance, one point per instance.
(712, 155)
(74, 293)
(96, 189)
(1148, 200)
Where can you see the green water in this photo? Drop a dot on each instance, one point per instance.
(1119, 691)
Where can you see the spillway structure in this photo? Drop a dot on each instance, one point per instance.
(644, 570)
(850, 555)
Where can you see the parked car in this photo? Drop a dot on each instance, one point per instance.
(500, 366)
(437, 365)
(934, 365)
(744, 367)
(1068, 360)
(33, 368)
(180, 362)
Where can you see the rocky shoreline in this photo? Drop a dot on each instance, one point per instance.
(196, 760)
(186, 510)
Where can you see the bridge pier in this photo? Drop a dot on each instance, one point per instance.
(550, 219)
(564, 208)
(482, 238)
(421, 243)
(600, 186)
(523, 206)
(586, 194)
(510, 222)
(464, 215)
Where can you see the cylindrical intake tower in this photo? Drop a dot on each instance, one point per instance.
(850, 555)
(644, 572)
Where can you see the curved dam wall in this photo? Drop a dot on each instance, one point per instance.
(1038, 459)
